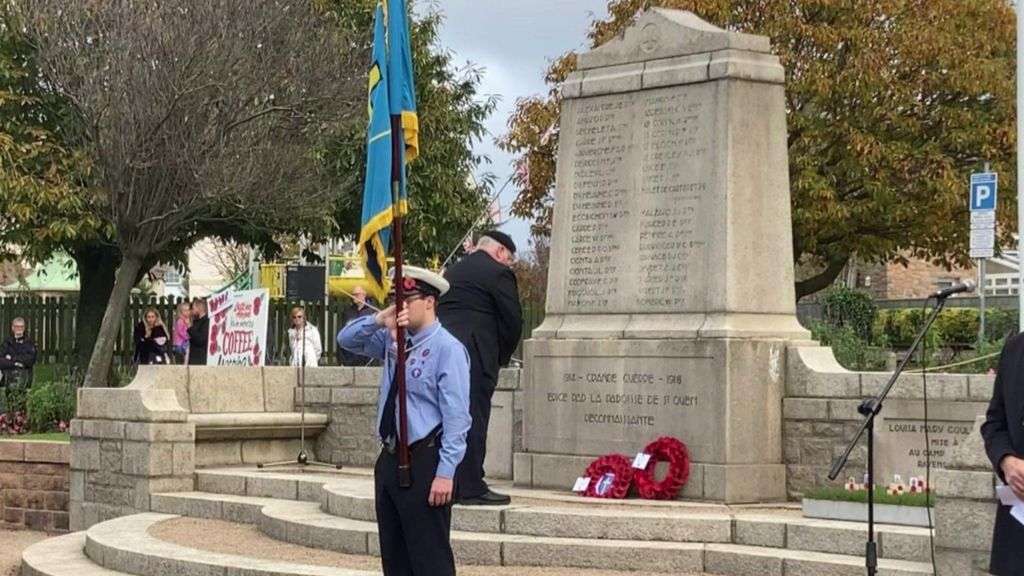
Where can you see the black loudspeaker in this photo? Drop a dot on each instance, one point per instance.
(306, 283)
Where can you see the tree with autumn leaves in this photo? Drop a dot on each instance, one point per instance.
(891, 104)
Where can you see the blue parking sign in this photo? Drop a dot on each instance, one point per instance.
(984, 187)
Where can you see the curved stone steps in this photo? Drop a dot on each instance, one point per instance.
(125, 545)
(62, 556)
(304, 523)
(748, 529)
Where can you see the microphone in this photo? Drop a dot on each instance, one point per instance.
(966, 286)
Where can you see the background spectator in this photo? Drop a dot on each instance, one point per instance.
(151, 339)
(180, 337)
(17, 356)
(198, 334)
(304, 339)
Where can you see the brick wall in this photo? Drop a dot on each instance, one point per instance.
(34, 485)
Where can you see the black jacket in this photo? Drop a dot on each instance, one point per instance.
(21, 352)
(147, 349)
(1004, 435)
(482, 310)
(198, 338)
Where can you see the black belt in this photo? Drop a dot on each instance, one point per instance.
(429, 441)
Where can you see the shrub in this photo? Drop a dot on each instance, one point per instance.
(850, 350)
(958, 327)
(1000, 323)
(843, 307)
(49, 405)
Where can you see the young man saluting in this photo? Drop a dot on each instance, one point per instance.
(414, 523)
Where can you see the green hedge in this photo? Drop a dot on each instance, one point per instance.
(954, 328)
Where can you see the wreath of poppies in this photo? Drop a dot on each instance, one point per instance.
(616, 464)
(665, 449)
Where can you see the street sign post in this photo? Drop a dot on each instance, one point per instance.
(984, 192)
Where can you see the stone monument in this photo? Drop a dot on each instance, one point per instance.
(670, 299)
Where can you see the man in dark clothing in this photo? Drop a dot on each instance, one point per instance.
(198, 334)
(1004, 441)
(358, 309)
(482, 311)
(17, 356)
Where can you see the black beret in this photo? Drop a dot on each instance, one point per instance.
(501, 238)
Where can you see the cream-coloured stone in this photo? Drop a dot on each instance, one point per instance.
(267, 451)
(165, 378)
(964, 524)
(364, 377)
(215, 389)
(218, 483)
(663, 33)
(980, 386)
(964, 484)
(523, 469)
(330, 376)
(971, 455)
(812, 371)
(130, 404)
(771, 534)
(151, 432)
(148, 459)
(499, 436)
(719, 559)
(85, 454)
(218, 453)
(278, 388)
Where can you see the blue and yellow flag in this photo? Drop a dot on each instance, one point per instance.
(391, 92)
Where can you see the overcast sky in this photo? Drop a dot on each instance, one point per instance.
(514, 41)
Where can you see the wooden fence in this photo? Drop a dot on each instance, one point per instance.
(51, 324)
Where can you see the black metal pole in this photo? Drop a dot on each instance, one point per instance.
(404, 468)
(870, 408)
(871, 555)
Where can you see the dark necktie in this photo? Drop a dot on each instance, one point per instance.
(388, 426)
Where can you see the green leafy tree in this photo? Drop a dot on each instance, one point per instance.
(445, 200)
(890, 106)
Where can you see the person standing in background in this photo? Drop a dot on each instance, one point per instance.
(180, 336)
(304, 340)
(17, 356)
(482, 311)
(151, 339)
(198, 334)
(357, 309)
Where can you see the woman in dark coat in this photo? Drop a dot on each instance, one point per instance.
(151, 339)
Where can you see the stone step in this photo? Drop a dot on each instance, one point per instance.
(62, 556)
(349, 500)
(125, 545)
(351, 496)
(304, 523)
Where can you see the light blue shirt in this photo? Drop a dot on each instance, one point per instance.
(436, 382)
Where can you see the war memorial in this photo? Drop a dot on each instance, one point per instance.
(670, 312)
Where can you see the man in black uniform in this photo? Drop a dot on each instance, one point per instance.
(482, 310)
(1004, 441)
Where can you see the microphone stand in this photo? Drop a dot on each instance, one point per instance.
(302, 459)
(870, 408)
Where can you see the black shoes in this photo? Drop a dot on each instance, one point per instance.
(488, 498)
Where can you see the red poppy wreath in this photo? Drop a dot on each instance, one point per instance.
(665, 449)
(610, 477)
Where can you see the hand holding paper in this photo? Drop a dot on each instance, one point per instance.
(1007, 497)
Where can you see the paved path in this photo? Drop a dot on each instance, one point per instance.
(14, 541)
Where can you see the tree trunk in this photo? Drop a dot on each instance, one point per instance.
(97, 265)
(98, 372)
(823, 279)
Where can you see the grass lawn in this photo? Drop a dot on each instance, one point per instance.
(881, 497)
(40, 437)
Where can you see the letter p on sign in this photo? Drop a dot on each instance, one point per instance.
(984, 187)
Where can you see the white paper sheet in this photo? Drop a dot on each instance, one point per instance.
(1008, 498)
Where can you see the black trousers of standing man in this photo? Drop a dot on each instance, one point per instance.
(414, 536)
(471, 470)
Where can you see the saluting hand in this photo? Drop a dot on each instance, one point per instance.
(388, 319)
(1013, 471)
(440, 491)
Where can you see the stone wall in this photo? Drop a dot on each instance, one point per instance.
(127, 444)
(820, 414)
(349, 396)
(34, 485)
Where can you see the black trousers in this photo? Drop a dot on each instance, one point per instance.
(414, 536)
(470, 473)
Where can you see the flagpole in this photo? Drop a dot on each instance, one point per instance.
(404, 469)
